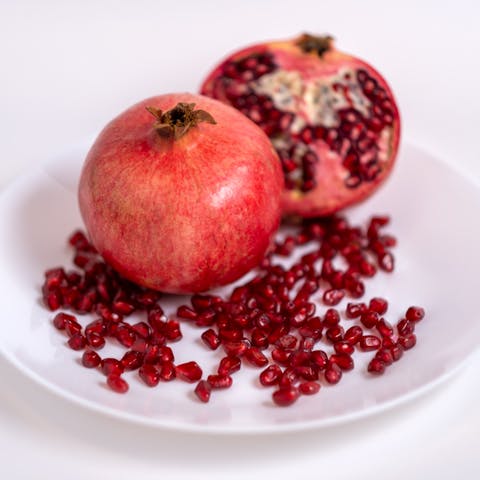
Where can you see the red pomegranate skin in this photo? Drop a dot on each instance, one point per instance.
(181, 215)
(306, 77)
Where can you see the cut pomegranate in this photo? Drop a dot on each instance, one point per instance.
(331, 117)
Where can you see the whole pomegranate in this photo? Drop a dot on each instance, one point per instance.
(331, 117)
(181, 193)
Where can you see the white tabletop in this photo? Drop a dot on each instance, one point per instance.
(67, 68)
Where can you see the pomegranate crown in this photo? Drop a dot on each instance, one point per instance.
(317, 44)
(175, 123)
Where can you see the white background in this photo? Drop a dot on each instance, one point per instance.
(67, 68)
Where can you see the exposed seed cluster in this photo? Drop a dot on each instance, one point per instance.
(357, 107)
(271, 322)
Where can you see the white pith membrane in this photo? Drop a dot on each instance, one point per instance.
(317, 102)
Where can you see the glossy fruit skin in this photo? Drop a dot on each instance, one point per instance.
(183, 215)
(329, 193)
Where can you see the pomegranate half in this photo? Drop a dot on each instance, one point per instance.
(331, 117)
(181, 193)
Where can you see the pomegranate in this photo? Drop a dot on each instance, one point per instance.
(180, 193)
(331, 117)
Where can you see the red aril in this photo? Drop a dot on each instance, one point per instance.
(331, 117)
(202, 204)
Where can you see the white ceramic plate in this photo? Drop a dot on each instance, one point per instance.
(435, 217)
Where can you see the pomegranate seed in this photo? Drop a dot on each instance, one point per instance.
(132, 360)
(259, 338)
(335, 334)
(270, 376)
(407, 341)
(386, 262)
(142, 329)
(203, 391)
(95, 340)
(333, 373)
(287, 342)
(405, 327)
(97, 326)
(333, 296)
(285, 396)
(201, 302)
(370, 342)
(307, 344)
(355, 310)
(117, 383)
(319, 358)
(384, 328)
(229, 365)
(331, 318)
(72, 327)
(172, 331)
(150, 374)
(125, 335)
(111, 366)
(236, 349)
(281, 356)
(189, 372)
(77, 342)
(353, 335)
(167, 371)
(210, 338)
(369, 319)
(376, 366)
(307, 373)
(343, 360)
(397, 352)
(298, 358)
(60, 320)
(165, 354)
(379, 305)
(90, 359)
(220, 381)
(186, 312)
(255, 357)
(415, 314)
(343, 347)
(385, 355)
(309, 388)
(123, 308)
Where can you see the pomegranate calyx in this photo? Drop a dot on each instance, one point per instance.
(179, 120)
(316, 44)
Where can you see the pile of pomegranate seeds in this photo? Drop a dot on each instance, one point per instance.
(271, 322)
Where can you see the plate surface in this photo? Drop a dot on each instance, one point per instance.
(435, 218)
